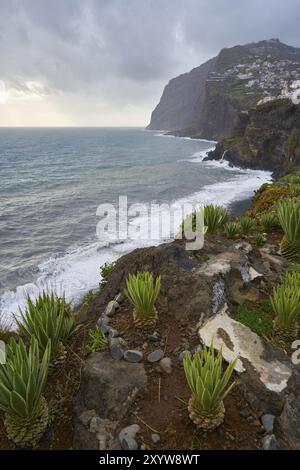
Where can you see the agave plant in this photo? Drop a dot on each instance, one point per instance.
(98, 340)
(246, 224)
(232, 229)
(295, 189)
(48, 318)
(293, 178)
(215, 217)
(22, 381)
(259, 239)
(289, 218)
(285, 302)
(209, 387)
(143, 290)
(269, 221)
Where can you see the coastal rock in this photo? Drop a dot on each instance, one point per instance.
(264, 371)
(287, 427)
(238, 341)
(109, 386)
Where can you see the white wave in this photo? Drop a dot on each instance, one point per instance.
(78, 270)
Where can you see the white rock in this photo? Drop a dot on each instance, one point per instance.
(237, 340)
(253, 274)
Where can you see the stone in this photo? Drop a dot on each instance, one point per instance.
(116, 349)
(166, 365)
(237, 340)
(268, 423)
(113, 333)
(220, 264)
(253, 274)
(156, 355)
(133, 355)
(104, 328)
(181, 356)
(129, 431)
(137, 342)
(128, 443)
(95, 424)
(287, 427)
(269, 442)
(155, 438)
(153, 338)
(109, 387)
(197, 349)
(86, 416)
(244, 246)
(120, 297)
(111, 307)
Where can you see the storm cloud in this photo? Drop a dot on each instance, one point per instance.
(105, 62)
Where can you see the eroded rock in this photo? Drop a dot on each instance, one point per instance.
(237, 340)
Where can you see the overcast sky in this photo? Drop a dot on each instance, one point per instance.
(105, 62)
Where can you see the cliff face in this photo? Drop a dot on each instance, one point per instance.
(267, 138)
(205, 102)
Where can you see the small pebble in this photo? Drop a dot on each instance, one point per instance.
(268, 423)
(133, 355)
(269, 442)
(156, 355)
(120, 298)
(166, 365)
(128, 443)
(153, 338)
(155, 438)
(181, 356)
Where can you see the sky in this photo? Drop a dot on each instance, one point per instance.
(106, 62)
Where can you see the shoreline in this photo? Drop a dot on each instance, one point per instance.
(223, 192)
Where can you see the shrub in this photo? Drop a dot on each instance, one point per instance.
(269, 221)
(293, 178)
(98, 341)
(289, 218)
(105, 271)
(232, 229)
(143, 290)
(246, 224)
(47, 318)
(209, 387)
(259, 318)
(215, 217)
(286, 305)
(22, 381)
(259, 239)
(295, 190)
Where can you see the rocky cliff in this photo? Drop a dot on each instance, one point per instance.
(205, 102)
(267, 138)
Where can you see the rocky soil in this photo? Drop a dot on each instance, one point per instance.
(135, 395)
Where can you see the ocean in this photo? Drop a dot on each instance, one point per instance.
(53, 180)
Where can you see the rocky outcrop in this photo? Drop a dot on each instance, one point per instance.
(205, 102)
(107, 391)
(265, 138)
